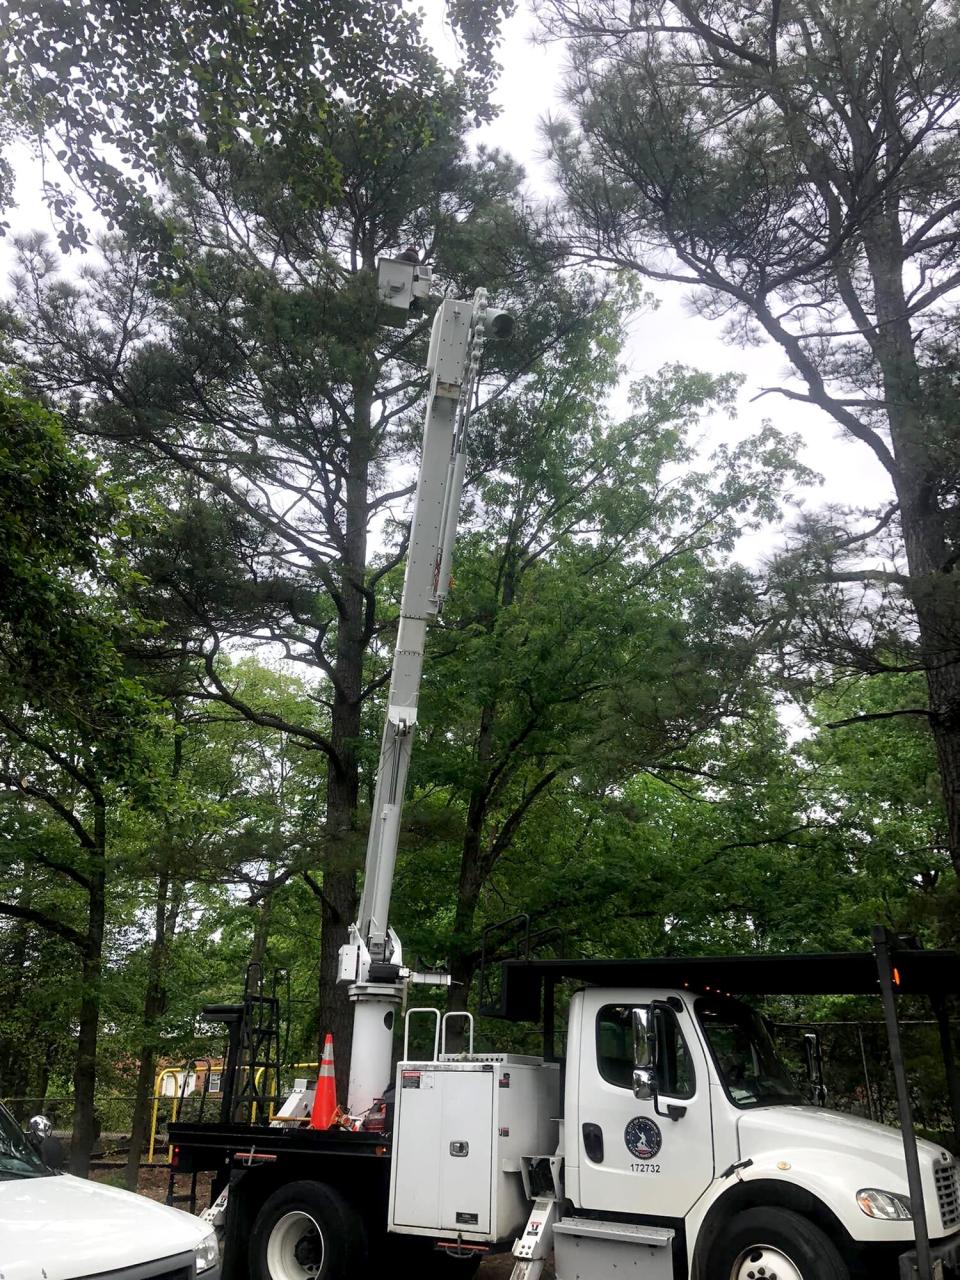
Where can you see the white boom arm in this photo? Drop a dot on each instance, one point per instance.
(372, 962)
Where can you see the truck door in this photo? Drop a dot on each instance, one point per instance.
(633, 1157)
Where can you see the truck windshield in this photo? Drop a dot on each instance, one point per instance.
(752, 1074)
(17, 1158)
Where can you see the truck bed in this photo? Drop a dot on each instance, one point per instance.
(255, 1160)
(209, 1146)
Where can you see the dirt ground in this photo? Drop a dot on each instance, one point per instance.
(153, 1183)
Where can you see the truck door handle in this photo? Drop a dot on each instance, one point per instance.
(593, 1142)
(459, 1148)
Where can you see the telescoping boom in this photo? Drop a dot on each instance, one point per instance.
(371, 963)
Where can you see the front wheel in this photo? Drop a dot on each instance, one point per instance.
(774, 1244)
(306, 1231)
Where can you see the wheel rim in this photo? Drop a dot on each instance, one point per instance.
(764, 1262)
(295, 1248)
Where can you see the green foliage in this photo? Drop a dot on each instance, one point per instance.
(250, 380)
(113, 80)
(874, 776)
(596, 634)
(59, 616)
(798, 166)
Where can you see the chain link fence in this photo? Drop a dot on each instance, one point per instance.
(113, 1113)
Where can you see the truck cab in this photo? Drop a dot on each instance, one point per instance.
(679, 1115)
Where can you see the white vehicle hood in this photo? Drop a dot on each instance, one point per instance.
(63, 1228)
(827, 1132)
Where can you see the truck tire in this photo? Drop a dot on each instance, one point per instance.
(774, 1244)
(307, 1231)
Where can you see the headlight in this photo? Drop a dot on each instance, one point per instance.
(207, 1253)
(884, 1204)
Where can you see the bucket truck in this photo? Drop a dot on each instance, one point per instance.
(657, 1135)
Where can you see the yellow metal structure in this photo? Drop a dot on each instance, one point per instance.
(157, 1086)
(175, 1110)
(272, 1095)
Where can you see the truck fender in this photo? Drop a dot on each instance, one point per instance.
(751, 1193)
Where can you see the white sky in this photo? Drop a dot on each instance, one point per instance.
(528, 89)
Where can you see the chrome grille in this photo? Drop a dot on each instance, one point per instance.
(948, 1193)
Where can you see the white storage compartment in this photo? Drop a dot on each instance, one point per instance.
(460, 1128)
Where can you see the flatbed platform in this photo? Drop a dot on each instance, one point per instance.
(206, 1146)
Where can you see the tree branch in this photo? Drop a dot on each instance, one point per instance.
(46, 922)
(266, 719)
(314, 888)
(880, 715)
(509, 828)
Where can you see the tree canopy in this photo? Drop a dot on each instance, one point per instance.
(110, 89)
(797, 168)
(629, 733)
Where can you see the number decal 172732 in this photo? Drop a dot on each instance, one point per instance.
(644, 1167)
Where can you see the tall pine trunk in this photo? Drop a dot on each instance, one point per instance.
(85, 1069)
(155, 1002)
(473, 871)
(166, 911)
(14, 1065)
(344, 843)
(932, 589)
(474, 868)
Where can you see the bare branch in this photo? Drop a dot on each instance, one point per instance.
(880, 715)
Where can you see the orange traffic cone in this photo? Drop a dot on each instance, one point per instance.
(325, 1098)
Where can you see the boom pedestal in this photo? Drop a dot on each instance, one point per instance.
(375, 1007)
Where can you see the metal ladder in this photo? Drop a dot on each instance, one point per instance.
(253, 1053)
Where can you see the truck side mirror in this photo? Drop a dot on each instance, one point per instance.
(38, 1128)
(45, 1142)
(644, 1054)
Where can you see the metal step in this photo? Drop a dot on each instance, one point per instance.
(530, 1270)
(618, 1232)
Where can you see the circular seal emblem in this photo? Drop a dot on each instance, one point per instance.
(643, 1138)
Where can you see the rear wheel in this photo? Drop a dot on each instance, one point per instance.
(774, 1244)
(306, 1231)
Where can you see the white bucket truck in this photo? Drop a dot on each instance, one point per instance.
(667, 1142)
